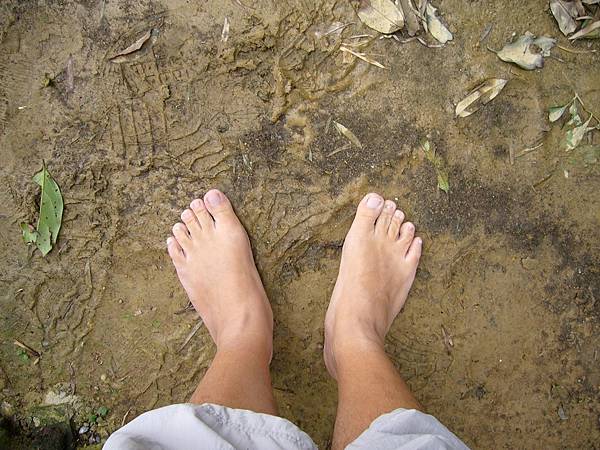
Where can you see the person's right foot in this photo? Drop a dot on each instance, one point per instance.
(379, 262)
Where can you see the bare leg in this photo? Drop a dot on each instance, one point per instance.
(378, 266)
(213, 259)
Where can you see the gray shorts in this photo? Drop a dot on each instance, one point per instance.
(190, 427)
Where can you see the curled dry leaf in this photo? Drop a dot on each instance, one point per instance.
(132, 52)
(565, 14)
(435, 26)
(590, 30)
(410, 16)
(347, 133)
(527, 51)
(480, 96)
(381, 15)
(556, 112)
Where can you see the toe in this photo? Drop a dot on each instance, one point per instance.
(180, 232)
(368, 211)
(192, 224)
(175, 250)
(395, 225)
(219, 207)
(407, 233)
(385, 218)
(203, 216)
(414, 251)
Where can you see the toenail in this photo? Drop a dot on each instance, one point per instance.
(373, 202)
(214, 198)
(419, 241)
(169, 240)
(196, 204)
(398, 214)
(390, 206)
(186, 215)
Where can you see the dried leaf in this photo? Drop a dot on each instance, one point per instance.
(347, 133)
(527, 51)
(590, 30)
(362, 56)
(438, 165)
(565, 14)
(137, 49)
(480, 96)
(556, 112)
(136, 45)
(435, 26)
(381, 15)
(410, 16)
(576, 135)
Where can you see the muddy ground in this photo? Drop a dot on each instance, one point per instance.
(512, 253)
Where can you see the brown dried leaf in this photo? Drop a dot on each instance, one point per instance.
(381, 15)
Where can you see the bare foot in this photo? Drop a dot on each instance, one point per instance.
(379, 262)
(214, 262)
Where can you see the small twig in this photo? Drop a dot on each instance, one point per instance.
(341, 27)
(191, 335)
(577, 52)
(27, 348)
(125, 416)
(529, 150)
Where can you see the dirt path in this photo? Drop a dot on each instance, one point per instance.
(512, 257)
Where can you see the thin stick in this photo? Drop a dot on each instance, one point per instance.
(192, 333)
(27, 348)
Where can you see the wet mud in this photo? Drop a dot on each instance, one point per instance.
(511, 269)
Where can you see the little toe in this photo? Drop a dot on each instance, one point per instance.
(182, 235)
(219, 207)
(367, 212)
(385, 218)
(395, 225)
(204, 218)
(414, 251)
(191, 222)
(175, 250)
(407, 233)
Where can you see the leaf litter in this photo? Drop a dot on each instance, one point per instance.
(390, 17)
(50, 215)
(577, 128)
(577, 15)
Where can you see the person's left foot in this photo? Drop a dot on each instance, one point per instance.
(211, 253)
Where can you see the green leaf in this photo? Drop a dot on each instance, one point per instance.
(556, 112)
(439, 166)
(29, 233)
(51, 210)
(575, 135)
(102, 411)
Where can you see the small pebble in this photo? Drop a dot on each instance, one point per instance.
(103, 378)
(84, 429)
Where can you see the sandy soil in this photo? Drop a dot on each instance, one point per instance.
(512, 254)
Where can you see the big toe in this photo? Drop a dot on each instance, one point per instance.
(368, 211)
(219, 206)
